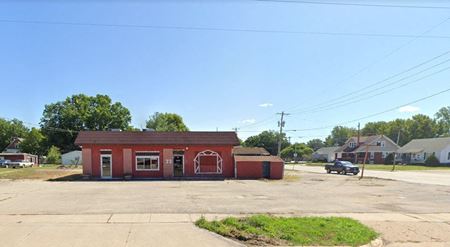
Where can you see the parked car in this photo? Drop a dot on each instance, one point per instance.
(20, 164)
(5, 163)
(342, 167)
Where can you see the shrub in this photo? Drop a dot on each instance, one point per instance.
(389, 160)
(432, 160)
(54, 156)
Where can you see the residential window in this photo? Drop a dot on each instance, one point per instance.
(448, 156)
(147, 161)
(372, 155)
(383, 155)
(352, 144)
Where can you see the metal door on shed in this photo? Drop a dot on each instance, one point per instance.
(266, 169)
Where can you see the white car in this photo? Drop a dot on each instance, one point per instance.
(20, 164)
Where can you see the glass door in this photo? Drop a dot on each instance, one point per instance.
(106, 165)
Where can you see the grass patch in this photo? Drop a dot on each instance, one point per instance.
(45, 172)
(381, 167)
(271, 230)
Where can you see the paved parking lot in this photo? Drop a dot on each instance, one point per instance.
(406, 213)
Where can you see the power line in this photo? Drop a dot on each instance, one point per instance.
(375, 114)
(358, 4)
(392, 52)
(218, 29)
(363, 97)
(376, 83)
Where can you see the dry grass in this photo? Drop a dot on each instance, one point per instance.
(48, 172)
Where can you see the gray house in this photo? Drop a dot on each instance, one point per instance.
(418, 150)
(325, 154)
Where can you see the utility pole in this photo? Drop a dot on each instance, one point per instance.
(281, 124)
(398, 140)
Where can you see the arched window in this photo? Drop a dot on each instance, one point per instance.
(208, 162)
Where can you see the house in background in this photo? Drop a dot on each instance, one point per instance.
(378, 147)
(12, 152)
(71, 158)
(151, 154)
(327, 154)
(418, 150)
(14, 145)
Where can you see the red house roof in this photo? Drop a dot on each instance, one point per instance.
(157, 138)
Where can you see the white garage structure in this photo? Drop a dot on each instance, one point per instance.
(71, 158)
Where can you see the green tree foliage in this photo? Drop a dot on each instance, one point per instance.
(81, 112)
(302, 150)
(54, 155)
(442, 118)
(315, 144)
(267, 140)
(422, 126)
(33, 142)
(10, 129)
(339, 135)
(166, 122)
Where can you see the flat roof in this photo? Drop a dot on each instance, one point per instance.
(158, 138)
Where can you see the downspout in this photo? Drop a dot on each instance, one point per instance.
(235, 168)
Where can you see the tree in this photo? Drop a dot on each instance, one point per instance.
(442, 119)
(315, 144)
(375, 128)
(421, 126)
(54, 155)
(61, 120)
(166, 122)
(10, 129)
(267, 140)
(33, 142)
(301, 149)
(339, 135)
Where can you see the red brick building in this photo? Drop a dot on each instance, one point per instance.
(149, 154)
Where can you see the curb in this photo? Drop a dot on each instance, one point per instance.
(375, 243)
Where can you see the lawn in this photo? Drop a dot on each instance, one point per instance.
(271, 230)
(46, 172)
(381, 167)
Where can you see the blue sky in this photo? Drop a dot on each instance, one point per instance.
(221, 79)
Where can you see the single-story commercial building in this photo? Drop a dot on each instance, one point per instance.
(418, 150)
(150, 154)
(71, 158)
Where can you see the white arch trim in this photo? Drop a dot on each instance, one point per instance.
(208, 153)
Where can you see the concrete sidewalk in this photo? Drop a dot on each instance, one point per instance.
(178, 229)
(419, 177)
(105, 230)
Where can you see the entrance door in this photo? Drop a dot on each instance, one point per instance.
(266, 169)
(178, 165)
(106, 165)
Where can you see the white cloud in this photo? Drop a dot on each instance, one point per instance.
(248, 121)
(409, 108)
(266, 105)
